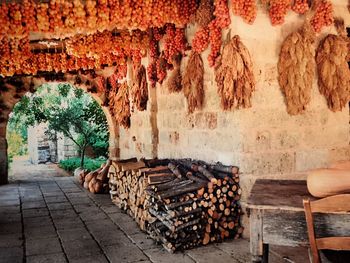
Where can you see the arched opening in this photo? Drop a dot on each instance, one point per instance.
(13, 89)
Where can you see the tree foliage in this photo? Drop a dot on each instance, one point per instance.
(68, 111)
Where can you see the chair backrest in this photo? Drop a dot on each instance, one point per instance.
(333, 204)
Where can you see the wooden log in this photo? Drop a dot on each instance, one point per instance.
(225, 169)
(181, 190)
(160, 178)
(165, 186)
(190, 176)
(177, 204)
(134, 160)
(175, 170)
(159, 169)
(132, 166)
(207, 174)
(173, 214)
(155, 162)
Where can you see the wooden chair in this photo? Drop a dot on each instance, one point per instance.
(333, 204)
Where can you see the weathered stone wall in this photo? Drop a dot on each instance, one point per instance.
(65, 148)
(141, 139)
(264, 141)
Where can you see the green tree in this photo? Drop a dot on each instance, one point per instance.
(67, 110)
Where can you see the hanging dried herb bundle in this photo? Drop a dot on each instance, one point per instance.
(175, 79)
(119, 104)
(204, 13)
(296, 69)
(333, 70)
(193, 82)
(234, 76)
(139, 91)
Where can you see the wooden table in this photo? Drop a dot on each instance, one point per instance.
(277, 217)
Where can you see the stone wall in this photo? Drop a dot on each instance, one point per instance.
(66, 148)
(264, 141)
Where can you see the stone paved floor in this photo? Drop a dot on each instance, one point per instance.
(47, 217)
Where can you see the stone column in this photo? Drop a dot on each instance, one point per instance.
(3, 155)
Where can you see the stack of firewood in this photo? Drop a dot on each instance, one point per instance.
(127, 183)
(95, 181)
(180, 203)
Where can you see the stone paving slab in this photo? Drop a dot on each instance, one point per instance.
(38, 212)
(11, 255)
(40, 232)
(67, 235)
(99, 258)
(10, 228)
(10, 218)
(43, 246)
(143, 241)
(51, 258)
(10, 209)
(55, 199)
(67, 213)
(80, 248)
(11, 240)
(9, 202)
(125, 253)
(160, 255)
(30, 222)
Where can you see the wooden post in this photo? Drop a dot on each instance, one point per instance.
(256, 235)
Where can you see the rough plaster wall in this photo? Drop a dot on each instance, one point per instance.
(140, 140)
(33, 144)
(264, 141)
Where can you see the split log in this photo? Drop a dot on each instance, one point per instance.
(160, 178)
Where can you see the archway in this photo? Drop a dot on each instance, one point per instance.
(13, 89)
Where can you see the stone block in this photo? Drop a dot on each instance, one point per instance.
(11, 240)
(257, 141)
(97, 258)
(339, 154)
(160, 255)
(52, 258)
(311, 159)
(76, 249)
(286, 139)
(209, 254)
(12, 254)
(267, 163)
(41, 232)
(43, 246)
(124, 253)
(206, 120)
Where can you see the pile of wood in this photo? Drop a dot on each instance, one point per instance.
(180, 203)
(127, 183)
(95, 181)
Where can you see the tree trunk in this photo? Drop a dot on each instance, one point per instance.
(82, 157)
